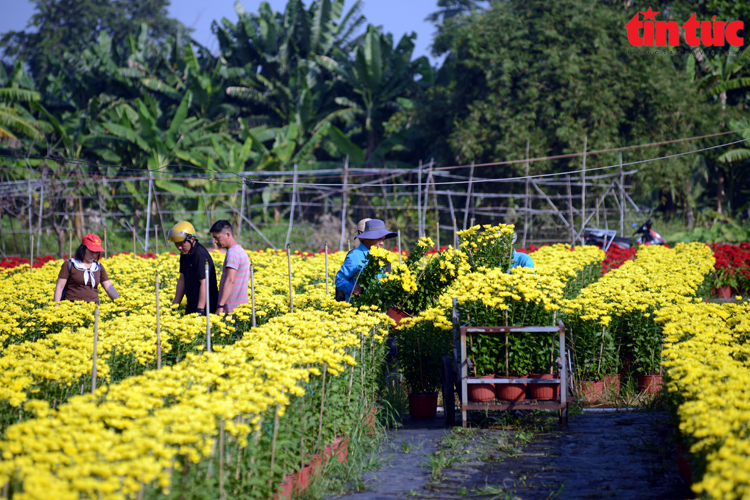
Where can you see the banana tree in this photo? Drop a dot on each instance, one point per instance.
(13, 117)
(378, 75)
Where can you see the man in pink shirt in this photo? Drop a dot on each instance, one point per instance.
(236, 271)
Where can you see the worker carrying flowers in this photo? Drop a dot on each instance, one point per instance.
(374, 234)
(193, 258)
(80, 276)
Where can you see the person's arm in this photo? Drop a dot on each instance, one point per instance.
(59, 289)
(231, 275)
(180, 290)
(110, 289)
(349, 271)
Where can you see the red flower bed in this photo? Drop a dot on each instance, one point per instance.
(616, 257)
(732, 266)
(11, 262)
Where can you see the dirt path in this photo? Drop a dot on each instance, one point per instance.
(624, 455)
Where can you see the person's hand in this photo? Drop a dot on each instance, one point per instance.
(357, 290)
(219, 310)
(57, 304)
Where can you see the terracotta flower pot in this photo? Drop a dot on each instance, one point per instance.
(650, 384)
(397, 315)
(592, 390)
(339, 449)
(723, 292)
(285, 488)
(543, 392)
(369, 419)
(510, 392)
(683, 464)
(423, 405)
(302, 479)
(481, 392)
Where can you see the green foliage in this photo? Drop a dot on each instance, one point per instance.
(420, 352)
(59, 29)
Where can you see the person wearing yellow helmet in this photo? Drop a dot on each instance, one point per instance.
(192, 281)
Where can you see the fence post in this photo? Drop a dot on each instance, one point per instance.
(148, 210)
(583, 187)
(343, 203)
(326, 250)
(31, 255)
(252, 291)
(96, 340)
(291, 293)
(41, 216)
(156, 240)
(158, 323)
(134, 254)
(242, 208)
(468, 195)
(570, 211)
(526, 202)
(106, 254)
(399, 247)
(419, 200)
(291, 212)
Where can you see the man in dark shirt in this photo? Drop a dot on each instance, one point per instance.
(192, 282)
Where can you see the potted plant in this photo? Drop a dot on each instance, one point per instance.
(596, 355)
(725, 279)
(483, 354)
(646, 345)
(421, 347)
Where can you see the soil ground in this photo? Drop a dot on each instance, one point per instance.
(623, 455)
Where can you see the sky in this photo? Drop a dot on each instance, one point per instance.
(396, 16)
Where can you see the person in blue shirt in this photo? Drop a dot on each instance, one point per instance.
(520, 259)
(374, 234)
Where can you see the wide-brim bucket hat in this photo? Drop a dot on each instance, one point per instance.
(374, 230)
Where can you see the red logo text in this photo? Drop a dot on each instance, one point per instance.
(667, 33)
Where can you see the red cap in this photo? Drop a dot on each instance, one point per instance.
(93, 243)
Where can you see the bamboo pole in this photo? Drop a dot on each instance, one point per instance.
(419, 199)
(208, 311)
(622, 200)
(583, 186)
(273, 444)
(326, 250)
(148, 209)
(570, 211)
(526, 201)
(343, 204)
(70, 243)
(252, 291)
(39, 222)
(106, 254)
(242, 207)
(156, 239)
(399, 247)
(291, 210)
(31, 255)
(322, 403)
(158, 322)
(468, 195)
(96, 341)
(134, 254)
(222, 495)
(291, 291)
(437, 235)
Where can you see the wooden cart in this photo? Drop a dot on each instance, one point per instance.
(456, 373)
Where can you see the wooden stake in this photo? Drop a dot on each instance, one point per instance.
(221, 460)
(134, 254)
(252, 291)
(570, 211)
(399, 247)
(583, 187)
(322, 403)
(526, 201)
(70, 243)
(291, 210)
(156, 239)
(31, 256)
(106, 254)
(507, 364)
(326, 249)
(96, 341)
(273, 444)
(468, 195)
(622, 200)
(437, 235)
(291, 292)
(158, 323)
(344, 199)
(208, 312)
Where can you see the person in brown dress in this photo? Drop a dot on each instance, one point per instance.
(80, 276)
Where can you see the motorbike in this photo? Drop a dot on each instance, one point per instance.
(648, 236)
(605, 238)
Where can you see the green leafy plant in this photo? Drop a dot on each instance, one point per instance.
(421, 348)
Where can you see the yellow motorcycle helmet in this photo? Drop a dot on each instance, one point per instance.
(181, 231)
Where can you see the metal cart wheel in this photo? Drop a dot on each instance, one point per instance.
(449, 395)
